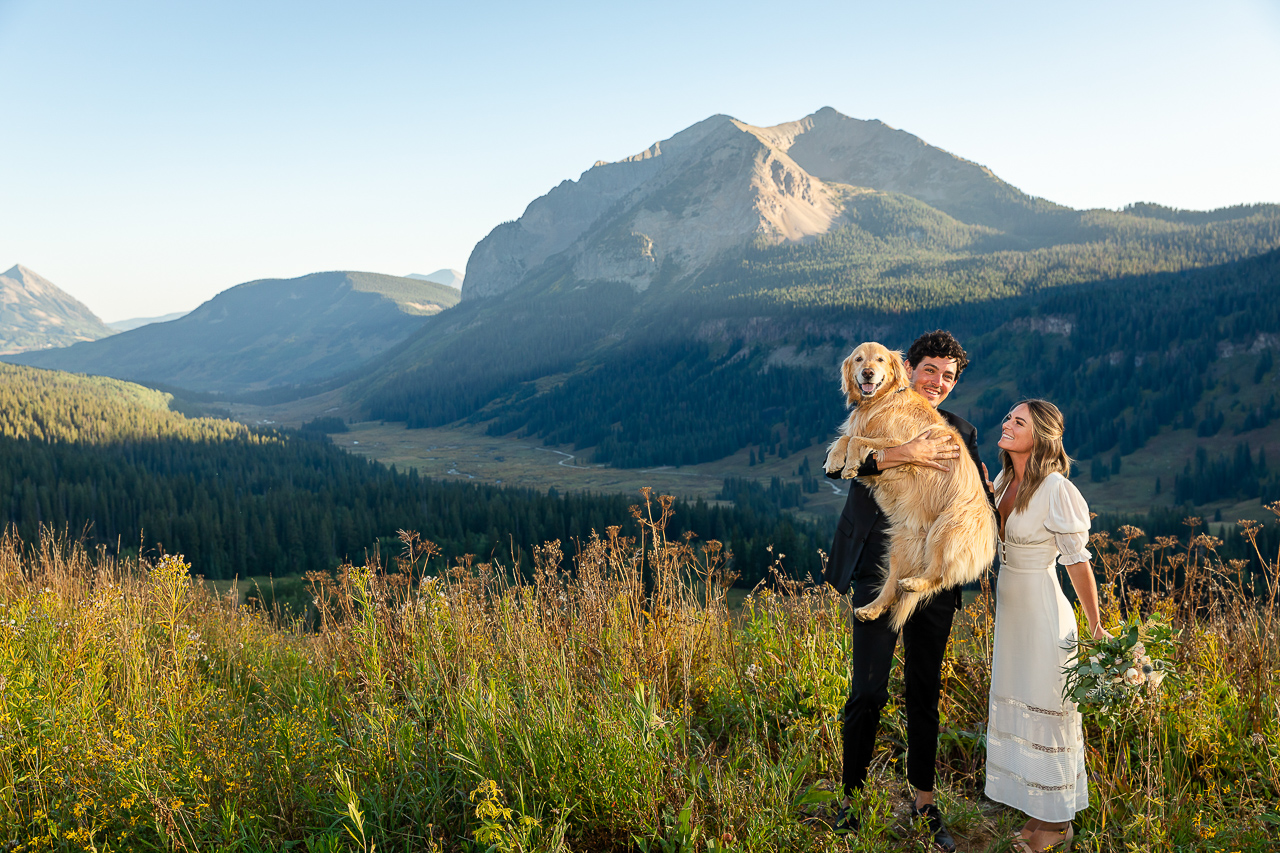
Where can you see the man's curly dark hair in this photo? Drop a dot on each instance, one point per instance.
(938, 344)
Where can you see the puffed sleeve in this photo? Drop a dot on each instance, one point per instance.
(1068, 521)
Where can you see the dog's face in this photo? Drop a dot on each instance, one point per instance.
(871, 371)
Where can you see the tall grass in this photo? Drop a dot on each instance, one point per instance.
(615, 702)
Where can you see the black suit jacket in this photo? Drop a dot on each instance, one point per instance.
(862, 538)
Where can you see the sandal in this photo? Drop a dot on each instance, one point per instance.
(1021, 845)
(1030, 826)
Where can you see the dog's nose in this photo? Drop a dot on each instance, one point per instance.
(866, 374)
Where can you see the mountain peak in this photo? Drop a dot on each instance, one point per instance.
(720, 184)
(448, 277)
(36, 314)
(18, 271)
(683, 141)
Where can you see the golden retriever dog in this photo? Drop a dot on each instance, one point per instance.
(942, 532)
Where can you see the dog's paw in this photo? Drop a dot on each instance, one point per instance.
(916, 585)
(868, 613)
(835, 462)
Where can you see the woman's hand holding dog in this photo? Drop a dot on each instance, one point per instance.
(930, 448)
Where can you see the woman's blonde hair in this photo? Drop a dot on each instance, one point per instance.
(1047, 453)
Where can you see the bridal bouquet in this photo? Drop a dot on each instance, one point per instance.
(1113, 674)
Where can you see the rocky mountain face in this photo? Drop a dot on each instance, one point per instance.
(36, 314)
(705, 289)
(843, 150)
(264, 333)
(722, 184)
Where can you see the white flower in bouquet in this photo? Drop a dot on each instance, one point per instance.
(1105, 674)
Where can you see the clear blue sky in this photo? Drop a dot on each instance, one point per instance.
(153, 154)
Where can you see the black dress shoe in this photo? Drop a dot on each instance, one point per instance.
(941, 837)
(847, 822)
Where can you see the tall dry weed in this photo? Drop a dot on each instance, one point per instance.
(607, 697)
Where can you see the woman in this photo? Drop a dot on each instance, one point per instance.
(1035, 748)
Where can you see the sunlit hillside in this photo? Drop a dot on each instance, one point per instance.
(615, 702)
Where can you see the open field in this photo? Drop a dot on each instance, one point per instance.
(439, 710)
(1163, 458)
(464, 451)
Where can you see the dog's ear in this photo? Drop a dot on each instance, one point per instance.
(848, 382)
(901, 374)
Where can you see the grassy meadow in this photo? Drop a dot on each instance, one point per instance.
(464, 451)
(616, 702)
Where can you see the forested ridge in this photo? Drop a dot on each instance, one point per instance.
(108, 459)
(900, 255)
(686, 373)
(1133, 355)
(52, 406)
(1122, 358)
(492, 352)
(677, 402)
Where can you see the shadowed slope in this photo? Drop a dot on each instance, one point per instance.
(264, 333)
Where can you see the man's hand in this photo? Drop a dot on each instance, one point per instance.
(931, 448)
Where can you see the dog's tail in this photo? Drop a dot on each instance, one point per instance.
(905, 605)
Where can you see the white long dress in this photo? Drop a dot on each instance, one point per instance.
(1035, 745)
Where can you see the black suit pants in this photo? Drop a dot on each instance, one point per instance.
(924, 642)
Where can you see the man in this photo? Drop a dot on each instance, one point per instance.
(935, 362)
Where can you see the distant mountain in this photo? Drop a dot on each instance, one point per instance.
(452, 278)
(673, 209)
(693, 300)
(36, 314)
(728, 207)
(137, 322)
(264, 333)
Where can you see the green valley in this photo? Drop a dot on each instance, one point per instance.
(110, 461)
